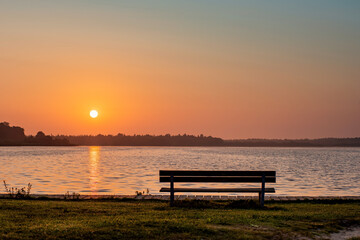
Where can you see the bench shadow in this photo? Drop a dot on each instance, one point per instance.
(234, 204)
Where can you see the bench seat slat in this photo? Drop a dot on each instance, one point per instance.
(254, 179)
(250, 190)
(215, 173)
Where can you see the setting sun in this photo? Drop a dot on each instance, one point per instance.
(93, 113)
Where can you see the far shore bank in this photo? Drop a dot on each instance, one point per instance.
(15, 136)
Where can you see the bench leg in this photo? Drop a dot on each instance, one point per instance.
(172, 194)
(262, 198)
(172, 198)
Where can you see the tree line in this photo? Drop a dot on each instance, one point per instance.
(320, 142)
(14, 136)
(144, 140)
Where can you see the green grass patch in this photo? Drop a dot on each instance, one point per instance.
(148, 219)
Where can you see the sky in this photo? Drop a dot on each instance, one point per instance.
(231, 68)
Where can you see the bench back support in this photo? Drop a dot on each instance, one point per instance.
(215, 173)
(217, 176)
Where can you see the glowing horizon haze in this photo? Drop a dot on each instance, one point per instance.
(231, 69)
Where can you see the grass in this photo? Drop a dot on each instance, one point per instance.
(151, 219)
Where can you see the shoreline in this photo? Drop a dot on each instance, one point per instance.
(187, 197)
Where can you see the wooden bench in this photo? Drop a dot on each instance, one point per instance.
(178, 176)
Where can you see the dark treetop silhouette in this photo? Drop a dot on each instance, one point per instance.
(14, 136)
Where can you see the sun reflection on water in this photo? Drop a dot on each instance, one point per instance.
(94, 159)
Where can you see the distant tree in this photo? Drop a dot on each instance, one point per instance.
(40, 134)
(5, 124)
(11, 135)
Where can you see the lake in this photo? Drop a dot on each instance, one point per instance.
(124, 170)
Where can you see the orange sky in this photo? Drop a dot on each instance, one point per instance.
(232, 70)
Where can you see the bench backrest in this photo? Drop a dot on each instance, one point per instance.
(217, 176)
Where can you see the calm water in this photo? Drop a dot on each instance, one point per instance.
(123, 170)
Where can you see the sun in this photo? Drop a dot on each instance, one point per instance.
(93, 113)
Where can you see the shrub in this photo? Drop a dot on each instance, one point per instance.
(15, 192)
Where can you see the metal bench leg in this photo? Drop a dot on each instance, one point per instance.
(172, 194)
(262, 198)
